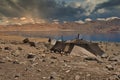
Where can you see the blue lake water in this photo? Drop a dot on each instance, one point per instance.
(95, 37)
(68, 35)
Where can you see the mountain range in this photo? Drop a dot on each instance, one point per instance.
(98, 26)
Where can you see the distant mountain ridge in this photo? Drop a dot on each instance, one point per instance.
(98, 26)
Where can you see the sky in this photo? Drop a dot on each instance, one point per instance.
(63, 10)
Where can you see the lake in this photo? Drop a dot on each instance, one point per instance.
(68, 35)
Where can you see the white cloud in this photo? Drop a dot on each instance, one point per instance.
(74, 4)
(101, 11)
(101, 19)
(90, 5)
(107, 19)
(111, 18)
(87, 5)
(80, 22)
(88, 20)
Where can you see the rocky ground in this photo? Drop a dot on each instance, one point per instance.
(23, 61)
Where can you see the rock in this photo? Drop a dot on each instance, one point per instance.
(41, 46)
(67, 71)
(1, 61)
(43, 55)
(29, 42)
(17, 76)
(44, 77)
(52, 62)
(90, 59)
(24, 62)
(47, 51)
(39, 70)
(66, 60)
(16, 62)
(26, 69)
(51, 77)
(55, 76)
(30, 55)
(41, 50)
(119, 76)
(7, 48)
(65, 65)
(53, 57)
(114, 77)
(53, 41)
(34, 64)
(104, 56)
(114, 63)
(15, 53)
(26, 40)
(112, 58)
(32, 44)
(2, 42)
(32, 60)
(0, 49)
(19, 48)
(88, 75)
(49, 40)
(77, 77)
(43, 60)
(109, 67)
(116, 54)
(14, 42)
(9, 59)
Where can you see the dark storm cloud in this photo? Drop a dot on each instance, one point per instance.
(109, 4)
(111, 9)
(32, 7)
(49, 9)
(52, 9)
(13, 4)
(37, 8)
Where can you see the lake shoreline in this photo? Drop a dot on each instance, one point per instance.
(67, 35)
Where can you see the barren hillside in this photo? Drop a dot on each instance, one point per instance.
(88, 27)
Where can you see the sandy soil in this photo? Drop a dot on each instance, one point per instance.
(20, 61)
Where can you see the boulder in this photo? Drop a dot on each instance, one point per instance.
(19, 48)
(26, 40)
(90, 59)
(114, 77)
(116, 54)
(113, 58)
(43, 55)
(15, 53)
(109, 67)
(30, 55)
(32, 44)
(2, 62)
(80, 51)
(7, 48)
(52, 57)
(77, 77)
(104, 56)
(16, 62)
(51, 78)
(16, 76)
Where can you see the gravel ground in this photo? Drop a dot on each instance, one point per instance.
(20, 61)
